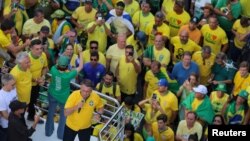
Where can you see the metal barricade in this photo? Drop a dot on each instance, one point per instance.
(113, 130)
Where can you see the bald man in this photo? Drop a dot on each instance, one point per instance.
(180, 44)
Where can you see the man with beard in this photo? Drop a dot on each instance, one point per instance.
(109, 87)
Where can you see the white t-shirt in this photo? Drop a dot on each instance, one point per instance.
(5, 99)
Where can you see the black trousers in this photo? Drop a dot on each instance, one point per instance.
(33, 100)
(83, 134)
(3, 133)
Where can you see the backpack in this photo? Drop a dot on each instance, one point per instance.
(101, 86)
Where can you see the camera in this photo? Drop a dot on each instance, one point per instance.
(44, 40)
(154, 96)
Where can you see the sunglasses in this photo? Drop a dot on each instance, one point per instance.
(93, 59)
(93, 47)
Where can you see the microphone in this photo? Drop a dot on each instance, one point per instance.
(79, 109)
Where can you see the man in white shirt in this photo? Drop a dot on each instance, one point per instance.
(7, 94)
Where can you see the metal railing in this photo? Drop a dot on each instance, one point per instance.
(113, 130)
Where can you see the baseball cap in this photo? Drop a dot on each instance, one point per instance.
(16, 105)
(63, 61)
(44, 28)
(58, 14)
(194, 20)
(163, 82)
(200, 89)
(243, 94)
(221, 87)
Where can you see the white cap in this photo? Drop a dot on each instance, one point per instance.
(200, 89)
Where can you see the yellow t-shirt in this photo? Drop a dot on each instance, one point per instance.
(149, 118)
(164, 30)
(5, 41)
(217, 102)
(240, 83)
(55, 25)
(180, 48)
(132, 8)
(168, 6)
(30, 27)
(196, 103)
(23, 83)
(176, 21)
(184, 131)
(112, 130)
(137, 137)
(168, 102)
(240, 30)
(73, 60)
(86, 57)
(248, 90)
(109, 90)
(214, 38)
(37, 65)
(83, 17)
(168, 133)
(98, 35)
(163, 56)
(245, 4)
(114, 53)
(152, 83)
(142, 20)
(205, 67)
(127, 69)
(75, 120)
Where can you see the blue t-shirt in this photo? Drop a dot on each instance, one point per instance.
(181, 74)
(94, 73)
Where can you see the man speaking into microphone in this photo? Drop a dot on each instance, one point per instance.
(79, 111)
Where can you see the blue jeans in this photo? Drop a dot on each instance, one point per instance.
(49, 126)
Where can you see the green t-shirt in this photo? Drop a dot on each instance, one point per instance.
(103, 7)
(235, 10)
(59, 86)
(223, 73)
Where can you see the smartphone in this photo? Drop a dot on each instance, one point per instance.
(99, 18)
(154, 96)
(155, 27)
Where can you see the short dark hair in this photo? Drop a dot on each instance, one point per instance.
(35, 42)
(94, 54)
(93, 42)
(187, 53)
(162, 117)
(7, 24)
(157, 63)
(191, 112)
(206, 49)
(130, 47)
(87, 83)
(244, 64)
(110, 73)
(120, 3)
(38, 10)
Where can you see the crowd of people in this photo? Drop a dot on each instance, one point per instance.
(178, 62)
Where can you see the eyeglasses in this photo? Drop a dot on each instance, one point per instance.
(93, 47)
(93, 59)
